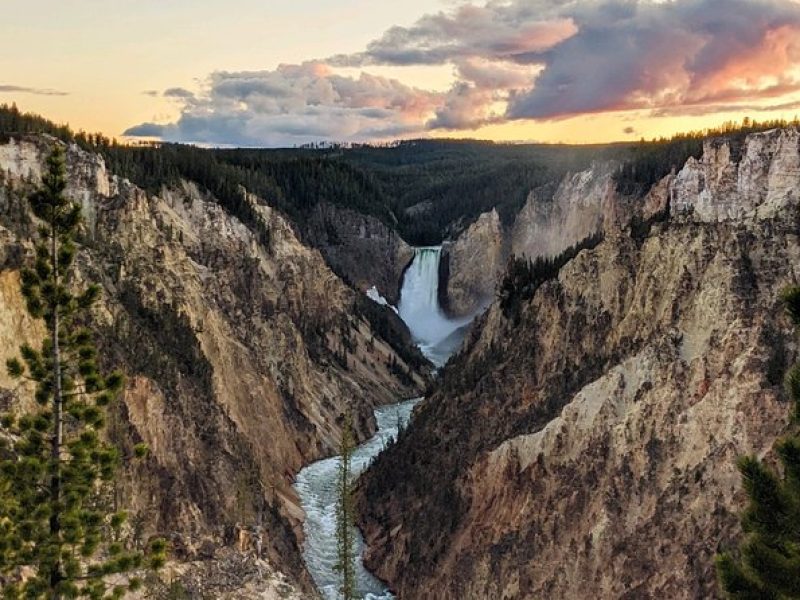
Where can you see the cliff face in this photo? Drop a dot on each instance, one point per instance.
(241, 349)
(758, 180)
(474, 262)
(360, 248)
(583, 204)
(586, 446)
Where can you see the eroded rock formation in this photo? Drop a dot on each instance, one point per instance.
(583, 204)
(474, 262)
(585, 445)
(241, 349)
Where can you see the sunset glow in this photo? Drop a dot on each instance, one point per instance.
(278, 73)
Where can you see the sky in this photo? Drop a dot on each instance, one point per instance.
(283, 73)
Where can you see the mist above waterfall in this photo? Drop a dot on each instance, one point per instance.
(437, 335)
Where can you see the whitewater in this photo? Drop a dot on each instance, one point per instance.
(437, 337)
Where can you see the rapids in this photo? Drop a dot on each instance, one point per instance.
(437, 337)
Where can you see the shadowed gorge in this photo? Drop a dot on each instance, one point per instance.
(438, 338)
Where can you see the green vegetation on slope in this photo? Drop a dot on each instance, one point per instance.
(437, 187)
(425, 189)
(767, 564)
(524, 276)
(56, 517)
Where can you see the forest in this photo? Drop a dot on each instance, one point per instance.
(427, 190)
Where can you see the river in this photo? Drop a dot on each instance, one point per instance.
(437, 337)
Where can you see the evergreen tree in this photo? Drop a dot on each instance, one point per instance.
(768, 562)
(345, 522)
(55, 468)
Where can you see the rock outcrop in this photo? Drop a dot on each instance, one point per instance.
(583, 204)
(586, 445)
(360, 248)
(241, 349)
(758, 180)
(474, 262)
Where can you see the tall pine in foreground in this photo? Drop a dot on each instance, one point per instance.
(58, 536)
(767, 566)
(345, 521)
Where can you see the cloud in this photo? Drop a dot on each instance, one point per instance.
(466, 106)
(514, 60)
(633, 55)
(146, 130)
(493, 31)
(29, 90)
(178, 92)
(707, 109)
(296, 104)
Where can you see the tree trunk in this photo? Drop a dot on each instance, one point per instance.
(56, 575)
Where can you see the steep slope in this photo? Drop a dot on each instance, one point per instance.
(585, 445)
(582, 204)
(360, 248)
(472, 265)
(241, 348)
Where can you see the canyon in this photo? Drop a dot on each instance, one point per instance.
(241, 348)
(584, 441)
(578, 438)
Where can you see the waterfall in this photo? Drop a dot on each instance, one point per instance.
(435, 333)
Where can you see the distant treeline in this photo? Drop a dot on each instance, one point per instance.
(447, 184)
(427, 190)
(293, 184)
(437, 187)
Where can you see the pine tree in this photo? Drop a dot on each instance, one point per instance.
(345, 522)
(55, 468)
(768, 562)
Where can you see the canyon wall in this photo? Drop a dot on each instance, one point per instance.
(584, 444)
(360, 248)
(473, 263)
(583, 204)
(241, 349)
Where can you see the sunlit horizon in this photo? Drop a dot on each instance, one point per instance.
(522, 71)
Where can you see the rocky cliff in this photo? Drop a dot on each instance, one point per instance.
(585, 445)
(241, 349)
(474, 262)
(360, 248)
(582, 204)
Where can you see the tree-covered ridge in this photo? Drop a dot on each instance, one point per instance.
(427, 190)
(438, 187)
(767, 563)
(305, 180)
(293, 184)
(523, 276)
